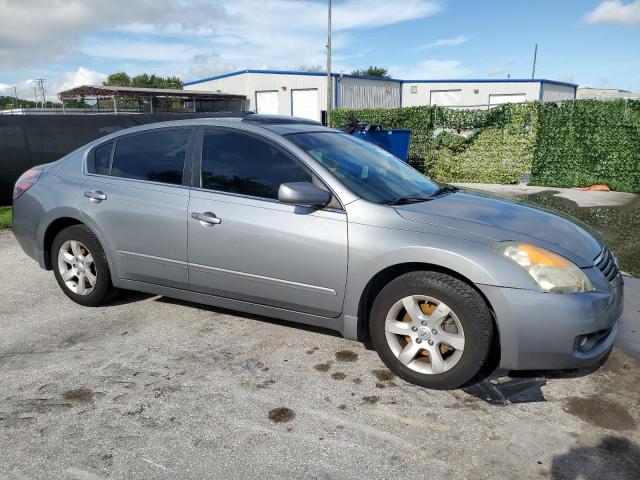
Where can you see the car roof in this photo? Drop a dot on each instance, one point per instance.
(278, 124)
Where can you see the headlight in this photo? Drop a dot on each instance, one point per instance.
(552, 273)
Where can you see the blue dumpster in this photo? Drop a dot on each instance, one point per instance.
(394, 141)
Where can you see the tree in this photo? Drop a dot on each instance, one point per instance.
(311, 68)
(154, 81)
(119, 79)
(372, 72)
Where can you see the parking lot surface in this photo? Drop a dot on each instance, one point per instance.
(152, 388)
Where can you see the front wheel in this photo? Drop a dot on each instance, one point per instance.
(81, 267)
(431, 329)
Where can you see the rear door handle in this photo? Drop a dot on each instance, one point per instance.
(206, 219)
(96, 196)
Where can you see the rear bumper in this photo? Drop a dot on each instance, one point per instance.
(25, 226)
(542, 331)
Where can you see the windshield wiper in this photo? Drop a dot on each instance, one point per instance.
(444, 188)
(407, 200)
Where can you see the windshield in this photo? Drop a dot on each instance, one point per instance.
(368, 171)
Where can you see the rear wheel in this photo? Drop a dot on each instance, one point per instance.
(80, 266)
(431, 329)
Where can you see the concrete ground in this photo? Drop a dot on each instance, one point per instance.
(154, 388)
(588, 198)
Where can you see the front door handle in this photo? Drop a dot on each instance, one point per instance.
(96, 196)
(206, 219)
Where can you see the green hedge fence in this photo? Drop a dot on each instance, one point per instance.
(571, 144)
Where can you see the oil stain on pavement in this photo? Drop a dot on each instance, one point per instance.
(281, 415)
(346, 356)
(601, 413)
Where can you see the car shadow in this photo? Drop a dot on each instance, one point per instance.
(260, 318)
(125, 297)
(613, 458)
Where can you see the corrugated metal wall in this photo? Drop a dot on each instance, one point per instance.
(471, 93)
(552, 92)
(364, 93)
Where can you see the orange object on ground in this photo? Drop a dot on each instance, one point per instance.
(599, 188)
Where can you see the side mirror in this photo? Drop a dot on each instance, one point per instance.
(303, 193)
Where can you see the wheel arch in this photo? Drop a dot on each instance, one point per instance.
(50, 229)
(391, 272)
(55, 227)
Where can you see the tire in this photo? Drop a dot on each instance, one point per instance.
(429, 295)
(81, 245)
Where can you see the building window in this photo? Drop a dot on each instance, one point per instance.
(414, 89)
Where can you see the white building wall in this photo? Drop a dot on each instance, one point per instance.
(553, 92)
(365, 93)
(472, 94)
(250, 83)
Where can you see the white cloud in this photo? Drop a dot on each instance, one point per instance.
(82, 76)
(432, 69)
(65, 81)
(276, 32)
(614, 11)
(446, 42)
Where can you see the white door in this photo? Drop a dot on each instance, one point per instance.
(446, 98)
(499, 99)
(305, 104)
(267, 103)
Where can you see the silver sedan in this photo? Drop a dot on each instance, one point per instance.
(285, 218)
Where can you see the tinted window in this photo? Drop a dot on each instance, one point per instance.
(239, 163)
(157, 156)
(101, 159)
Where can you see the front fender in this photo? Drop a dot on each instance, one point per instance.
(374, 249)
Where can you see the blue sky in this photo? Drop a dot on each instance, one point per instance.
(589, 42)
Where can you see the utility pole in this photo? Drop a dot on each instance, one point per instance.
(535, 58)
(15, 96)
(329, 86)
(40, 91)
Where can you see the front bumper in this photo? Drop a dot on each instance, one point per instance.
(542, 331)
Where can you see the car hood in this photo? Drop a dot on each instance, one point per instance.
(499, 220)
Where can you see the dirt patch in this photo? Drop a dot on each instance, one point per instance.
(346, 356)
(600, 413)
(383, 374)
(357, 380)
(323, 367)
(371, 399)
(80, 395)
(281, 415)
(338, 376)
(311, 351)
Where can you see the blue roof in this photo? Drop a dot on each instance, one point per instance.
(494, 80)
(324, 74)
(288, 72)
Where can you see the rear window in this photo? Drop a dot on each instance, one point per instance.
(156, 156)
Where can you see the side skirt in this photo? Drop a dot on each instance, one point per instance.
(337, 324)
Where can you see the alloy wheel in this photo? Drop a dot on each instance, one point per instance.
(424, 334)
(76, 267)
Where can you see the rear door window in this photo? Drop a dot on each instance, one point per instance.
(239, 163)
(156, 156)
(100, 159)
